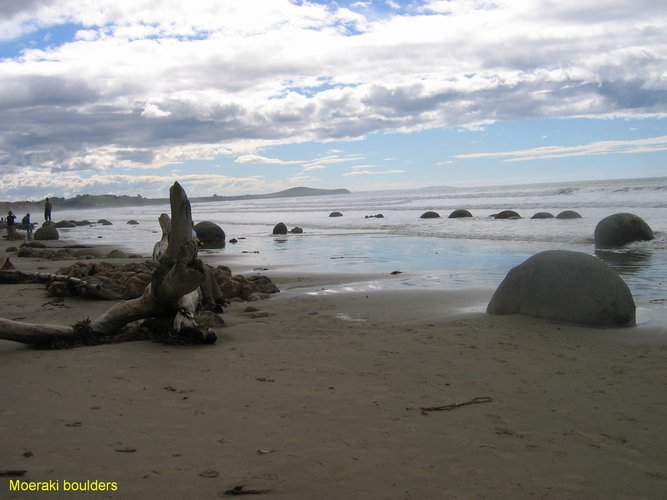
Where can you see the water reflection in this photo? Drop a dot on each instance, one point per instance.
(626, 261)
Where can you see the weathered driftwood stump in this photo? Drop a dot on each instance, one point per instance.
(170, 300)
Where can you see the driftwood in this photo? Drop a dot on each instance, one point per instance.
(171, 297)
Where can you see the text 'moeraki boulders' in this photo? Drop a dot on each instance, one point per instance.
(618, 229)
(565, 286)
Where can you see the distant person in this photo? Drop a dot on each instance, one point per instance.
(28, 226)
(47, 211)
(11, 226)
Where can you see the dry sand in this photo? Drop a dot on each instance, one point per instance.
(318, 395)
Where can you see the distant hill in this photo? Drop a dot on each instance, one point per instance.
(109, 200)
(287, 193)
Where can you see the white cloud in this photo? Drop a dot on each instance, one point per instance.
(264, 160)
(649, 145)
(372, 172)
(148, 82)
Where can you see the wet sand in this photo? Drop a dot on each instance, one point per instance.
(318, 394)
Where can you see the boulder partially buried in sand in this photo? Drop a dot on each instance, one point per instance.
(565, 286)
(47, 232)
(429, 215)
(619, 229)
(210, 234)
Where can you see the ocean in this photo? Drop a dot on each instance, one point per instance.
(440, 253)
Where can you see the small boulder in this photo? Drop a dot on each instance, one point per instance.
(457, 214)
(210, 234)
(65, 223)
(429, 215)
(132, 222)
(233, 240)
(618, 229)
(84, 222)
(565, 286)
(506, 214)
(296, 230)
(543, 215)
(104, 222)
(568, 214)
(47, 232)
(335, 214)
(280, 228)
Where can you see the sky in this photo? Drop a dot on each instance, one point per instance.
(255, 96)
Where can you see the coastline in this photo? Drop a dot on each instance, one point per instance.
(318, 393)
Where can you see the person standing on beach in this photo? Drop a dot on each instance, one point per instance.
(11, 228)
(28, 226)
(47, 211)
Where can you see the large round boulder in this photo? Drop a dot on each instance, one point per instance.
(280, 228)
(210, 234)
(565, 286)
(456, 214)
(47, 232)
(429, 215)
(618, 229)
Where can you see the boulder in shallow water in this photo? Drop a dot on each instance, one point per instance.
(132, 222)
(296, 230)
(568, 214)
(565, 286)
(430, 215)
(65, 223)
(104, 222)
(457, 214)
(543, 215)
(46, 232)
(619, 229)
(335, 214)
(280, 228)
(506, 214)
(210, 234)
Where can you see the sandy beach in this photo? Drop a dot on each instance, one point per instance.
(319, 394)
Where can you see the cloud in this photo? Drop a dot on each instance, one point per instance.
(648, 145)
(372, 172)
(178, 82)
(265, 160)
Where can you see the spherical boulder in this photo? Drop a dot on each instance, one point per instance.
(565, 286)
(47, 232)
(568, 214)
(296, 230)
(280, 228)
(132, 222)
(457, 214)
(543, 215)
(65, 224)
(429, 215)
(618, 229)
(507, 214)
(210, 234)
(335, 214)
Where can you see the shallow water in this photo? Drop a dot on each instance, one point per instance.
(431, 253)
